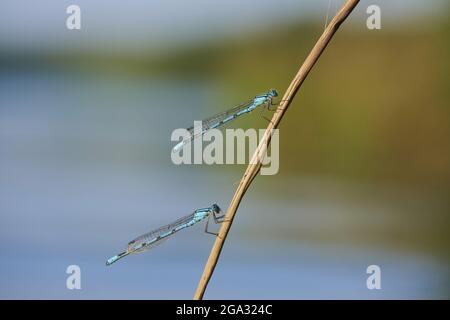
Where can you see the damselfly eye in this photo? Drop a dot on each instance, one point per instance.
(274, 93)
(216, 208)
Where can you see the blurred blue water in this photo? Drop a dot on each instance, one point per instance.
(243, 273)
(85, 166)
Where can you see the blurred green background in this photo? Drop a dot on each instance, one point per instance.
(364, 150)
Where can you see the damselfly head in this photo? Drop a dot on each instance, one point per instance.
(216, 208)
(273, 93)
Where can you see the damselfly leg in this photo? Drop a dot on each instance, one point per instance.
(207, 231)
(218, 218)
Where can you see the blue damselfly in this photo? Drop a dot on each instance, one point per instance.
(155, 237)
(225, 117)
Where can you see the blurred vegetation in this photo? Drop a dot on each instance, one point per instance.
(374, 107)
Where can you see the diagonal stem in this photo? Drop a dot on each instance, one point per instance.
(255, 163)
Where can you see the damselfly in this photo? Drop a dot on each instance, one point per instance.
(151, 239)
(223, 118)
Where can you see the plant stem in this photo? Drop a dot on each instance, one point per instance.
(255, 163)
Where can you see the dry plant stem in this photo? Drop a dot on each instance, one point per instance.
(255, 163)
